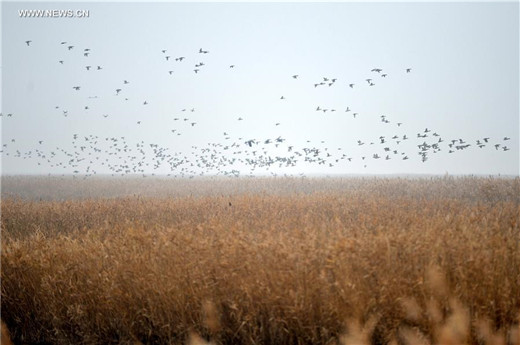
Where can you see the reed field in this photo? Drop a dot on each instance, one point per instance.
(351, 261)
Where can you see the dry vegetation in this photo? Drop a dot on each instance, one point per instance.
(340, 261)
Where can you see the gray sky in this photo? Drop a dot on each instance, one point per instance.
(463, 84)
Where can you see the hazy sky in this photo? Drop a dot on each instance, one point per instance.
(463, 84)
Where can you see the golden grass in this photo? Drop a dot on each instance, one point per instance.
(370, 263)
(4, 335)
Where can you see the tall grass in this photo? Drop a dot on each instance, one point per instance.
(385, 262)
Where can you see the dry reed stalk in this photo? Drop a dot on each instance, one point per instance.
(4, 335)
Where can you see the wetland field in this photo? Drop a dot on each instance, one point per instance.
(343, 260)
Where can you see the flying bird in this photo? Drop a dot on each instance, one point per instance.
(28, 42)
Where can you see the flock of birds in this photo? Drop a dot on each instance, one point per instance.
(91, 154)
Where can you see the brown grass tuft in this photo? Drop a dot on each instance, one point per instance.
(4, 335)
